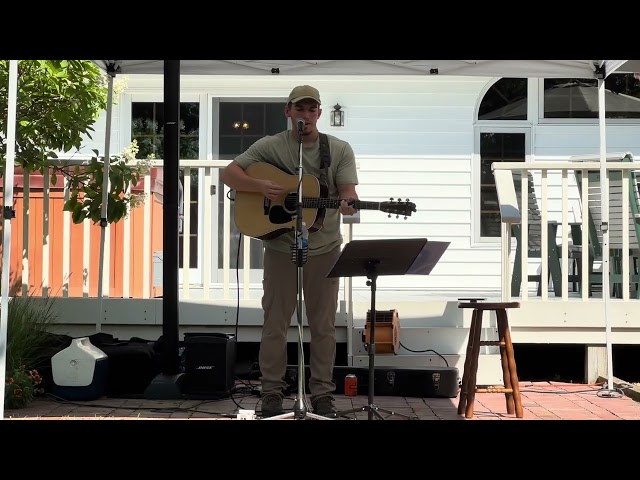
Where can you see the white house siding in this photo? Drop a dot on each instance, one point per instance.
(413, 138)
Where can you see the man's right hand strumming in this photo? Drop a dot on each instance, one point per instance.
(271, 189)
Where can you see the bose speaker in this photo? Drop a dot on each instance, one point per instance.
(209, 361)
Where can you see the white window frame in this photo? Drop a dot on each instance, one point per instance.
(475, 176)
(256, 275)
(124, 110)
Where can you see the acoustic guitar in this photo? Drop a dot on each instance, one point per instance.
(258, 217)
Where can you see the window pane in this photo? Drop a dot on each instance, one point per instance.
(189, 148)
(490, 225)
(247, 141)
(505, 100)
(189, 118)
(230, 118)
(495, 147)
(578, 98)
(230, 147)
(253, 119)
(274, 118)
(142, 118)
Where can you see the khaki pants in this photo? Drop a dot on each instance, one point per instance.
(279, 303)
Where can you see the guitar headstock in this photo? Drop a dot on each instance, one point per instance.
(398, 207)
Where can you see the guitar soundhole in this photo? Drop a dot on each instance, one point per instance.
(289, 204)
(278, 216)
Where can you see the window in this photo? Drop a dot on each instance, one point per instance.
(505, 100)
(242, 124)
(578, 98)
(147, 127)
(499, 141)
(495, 147)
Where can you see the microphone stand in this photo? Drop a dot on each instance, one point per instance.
(299, 253)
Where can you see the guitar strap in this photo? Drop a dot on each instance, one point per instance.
(325, 158)
(325, 154)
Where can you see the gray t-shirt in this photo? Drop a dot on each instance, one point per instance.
(282, 151)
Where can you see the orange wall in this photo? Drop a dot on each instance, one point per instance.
(116, 232)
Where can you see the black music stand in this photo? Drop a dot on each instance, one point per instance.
(372, 258)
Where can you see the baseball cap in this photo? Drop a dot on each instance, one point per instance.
(303, 91)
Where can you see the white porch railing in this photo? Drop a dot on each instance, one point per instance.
(201, 285)
(551, 176)
(564, 207)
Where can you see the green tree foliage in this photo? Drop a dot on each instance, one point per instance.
(58, 104)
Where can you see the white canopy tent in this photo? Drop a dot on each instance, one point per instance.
(172, 69)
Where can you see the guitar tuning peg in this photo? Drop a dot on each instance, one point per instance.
(389, 215)
(407, 200)
(391, 199)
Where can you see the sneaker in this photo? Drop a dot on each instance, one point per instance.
(271, 405)
(323, 406)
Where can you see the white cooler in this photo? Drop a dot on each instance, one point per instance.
(79, 371)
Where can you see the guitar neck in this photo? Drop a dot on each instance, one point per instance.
(314, 202)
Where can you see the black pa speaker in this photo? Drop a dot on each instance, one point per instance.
(209, 362)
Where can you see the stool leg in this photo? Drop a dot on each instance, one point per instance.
(506, 375)
(467, 364)
(512, 365)
(473, 367)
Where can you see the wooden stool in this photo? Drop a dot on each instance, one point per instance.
(468, 389)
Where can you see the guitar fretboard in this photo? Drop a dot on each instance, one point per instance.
(314, 202)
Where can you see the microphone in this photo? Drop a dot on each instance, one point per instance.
(300, 249)
(300, 126)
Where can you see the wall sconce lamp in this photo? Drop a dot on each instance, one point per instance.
(337, 116)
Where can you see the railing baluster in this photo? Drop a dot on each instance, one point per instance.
(625, 234)
(544, 248)
(86, 257)
(586, 277)
(565, 237)
(206, 262)
(226, 243)
(126, 256)
(246, 267)
(146, 235)
(186, 232)
(524, 233)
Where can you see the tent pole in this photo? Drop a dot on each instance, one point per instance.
(103, 273)
(7, 215)
(604, 200)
